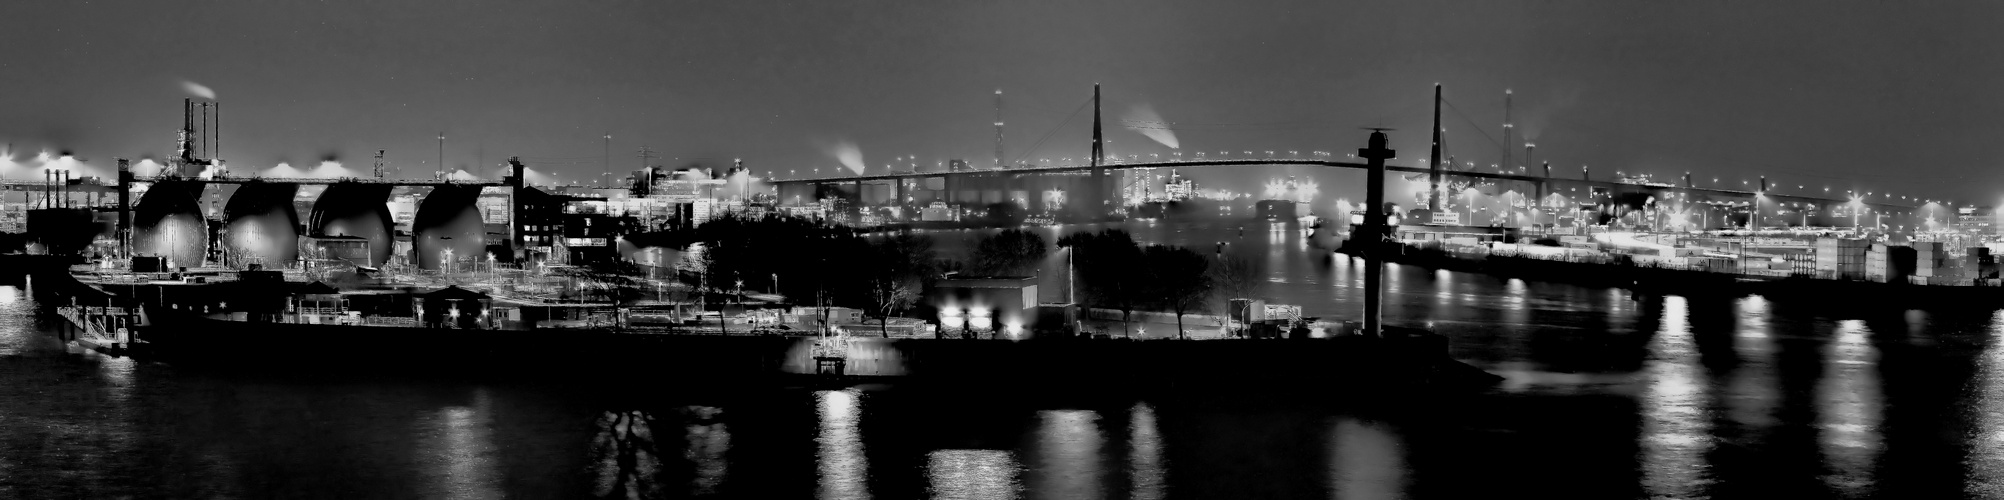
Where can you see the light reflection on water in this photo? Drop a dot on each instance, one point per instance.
(1676, 430)
(708, 439)
(1986, 466)
(624, 455)
(1067, 457)
(973, 474)
(843, 468)
(1367, 461)
(1849, 407)
(1754, 390)
(1710, 391)
(461, 449)
(1147, 469)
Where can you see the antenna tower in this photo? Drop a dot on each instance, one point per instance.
(998, 128)
(1507, 130)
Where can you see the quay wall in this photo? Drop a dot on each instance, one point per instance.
(543, 354)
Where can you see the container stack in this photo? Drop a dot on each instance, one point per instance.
(1840, 258)
(1889, 263)
(1802, 264)
(1980, 263)
(1933, 266)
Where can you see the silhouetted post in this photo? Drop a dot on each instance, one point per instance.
(515, 182)
(1433, 160)
(1375, 231)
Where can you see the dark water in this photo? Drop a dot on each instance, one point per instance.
(1609, 395)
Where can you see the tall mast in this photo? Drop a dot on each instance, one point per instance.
(998, 128)
(1433, 160)
(1508, 129)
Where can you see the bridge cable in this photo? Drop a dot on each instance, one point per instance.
(1054, 131)
(1471, 125)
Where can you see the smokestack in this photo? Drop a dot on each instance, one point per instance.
(187, 132)
(1548, 170)
(1529, 150)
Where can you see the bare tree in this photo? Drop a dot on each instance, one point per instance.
(1236, 277)
(901, 265)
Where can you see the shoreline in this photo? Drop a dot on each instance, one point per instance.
(1689, 283)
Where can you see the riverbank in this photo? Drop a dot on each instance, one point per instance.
(1691, 283)
(1406, 360)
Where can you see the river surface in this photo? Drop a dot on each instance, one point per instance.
(1607, 395)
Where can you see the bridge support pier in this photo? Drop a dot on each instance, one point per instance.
(898, 200)
(124, 208)
(855, 197)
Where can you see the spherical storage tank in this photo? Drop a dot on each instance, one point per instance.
(168, 222)
(448, 218)
(359, 210)
(260, 225)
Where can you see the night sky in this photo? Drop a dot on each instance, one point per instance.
(1869, 95)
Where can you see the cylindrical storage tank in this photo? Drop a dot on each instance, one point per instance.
(358, 210)
(168, 222)
(260, 225)
(448, 219)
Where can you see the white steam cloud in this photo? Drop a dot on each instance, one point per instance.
(34, 168)
(198, 90)
(1145, 120)
(850, 155)
(325, 170)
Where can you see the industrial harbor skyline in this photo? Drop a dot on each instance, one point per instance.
(1611, 88)
(998, 250)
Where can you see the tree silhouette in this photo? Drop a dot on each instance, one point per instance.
(1012, 252)
(900, 265)
(1237, 277)
(1177, 279)
(1107, 263)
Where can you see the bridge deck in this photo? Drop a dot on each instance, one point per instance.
(1282, 161)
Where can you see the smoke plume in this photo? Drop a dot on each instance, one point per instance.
(1145, 120)
(847, 153)
(198, 90)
